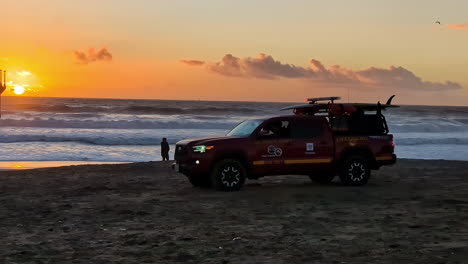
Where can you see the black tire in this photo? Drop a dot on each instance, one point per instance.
(228, 175)
(355, 170)
(324, 178)
(200, 181)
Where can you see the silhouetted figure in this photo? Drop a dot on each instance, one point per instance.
(164, 149)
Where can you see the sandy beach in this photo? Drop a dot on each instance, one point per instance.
(413, 212)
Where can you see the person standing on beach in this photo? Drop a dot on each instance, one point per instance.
(164, 149)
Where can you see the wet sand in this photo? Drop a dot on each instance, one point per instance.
(27, 165)
(413, 212)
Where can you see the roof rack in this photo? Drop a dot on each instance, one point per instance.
(333, 108)
(318, 99)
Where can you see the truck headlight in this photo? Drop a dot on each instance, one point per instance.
(201, 148)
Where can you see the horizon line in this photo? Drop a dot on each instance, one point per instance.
(200, 100)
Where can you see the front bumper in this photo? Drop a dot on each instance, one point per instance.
(192, 166)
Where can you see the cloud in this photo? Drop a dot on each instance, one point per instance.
(266, 67)
(458, 26)
(263, 66)
(193, 62)
(91, 55)
(24, 73)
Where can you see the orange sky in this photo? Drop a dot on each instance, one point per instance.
(147, 40)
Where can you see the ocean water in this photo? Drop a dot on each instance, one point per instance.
(110, 130)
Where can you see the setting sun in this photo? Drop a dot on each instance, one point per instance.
(18, 89)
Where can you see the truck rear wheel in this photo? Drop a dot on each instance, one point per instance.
(355, 171)
(200, 181)
(228, 175)
(322, 178)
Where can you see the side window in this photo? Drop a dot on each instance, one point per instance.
(340, 124)
(306, 129)
(276, 129)
(367, 124)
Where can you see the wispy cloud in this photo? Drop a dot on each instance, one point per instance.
(91, 55)
(193, 62)
(266, 67)
(458, 26)
(24, 73)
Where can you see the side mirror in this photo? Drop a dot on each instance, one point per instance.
(264, 133)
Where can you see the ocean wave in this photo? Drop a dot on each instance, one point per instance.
(119, 124)
(430, 141)
(58, 108)
(153, 138)
(104, 141)
(104, 137)
(133, 109)
(439, 126)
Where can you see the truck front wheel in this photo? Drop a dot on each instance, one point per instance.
(228, 175)
(355, 171)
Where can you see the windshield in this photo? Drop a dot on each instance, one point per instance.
(245, 128)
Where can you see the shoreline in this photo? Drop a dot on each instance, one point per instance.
(31, 165)
(28, 165)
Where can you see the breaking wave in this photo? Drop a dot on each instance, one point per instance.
(109, 141)
(105, 137)
(132, 109)
(119, 124)
(148, 140)
(207, 122)
(430, 141)
(428, 125)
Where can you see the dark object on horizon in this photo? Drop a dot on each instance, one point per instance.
(2, 87)
(389, 101)
(437, 22)
(165, 149)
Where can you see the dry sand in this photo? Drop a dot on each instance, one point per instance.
(413, 212)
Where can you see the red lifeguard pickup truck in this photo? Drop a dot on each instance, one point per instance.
(320, 140)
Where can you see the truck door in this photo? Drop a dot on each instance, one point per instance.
(269, 147)
(310, 147)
